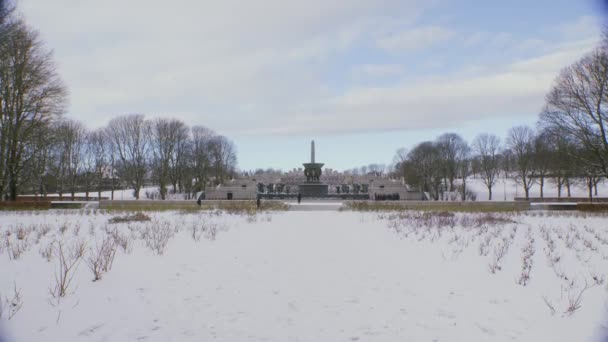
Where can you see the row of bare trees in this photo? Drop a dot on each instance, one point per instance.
(527, 156)
(130, 151)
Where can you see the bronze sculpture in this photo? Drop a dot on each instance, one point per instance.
(312, 170)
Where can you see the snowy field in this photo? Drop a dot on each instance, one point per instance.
(305, 276)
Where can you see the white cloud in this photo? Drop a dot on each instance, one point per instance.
(271, 66)
(200, 57)
(583, 27)
(440, 101)
(417, 38)
(375, 71)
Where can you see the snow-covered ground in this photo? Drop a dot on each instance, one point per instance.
(310, 276)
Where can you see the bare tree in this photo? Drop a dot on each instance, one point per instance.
(575, 108)
(57, 163)
(31, 94)
(400, 156)
(98, 154)
(6, 10)
(544, 155)
(178, 161)
(39, 160)
(487, 146)
(166, 136)
(87, 173)
(521, 140)
(130, 137)
(451, 146)
(423, 168)
(223, 157)
(112, 161)
(463, 164)
(71, 137)
(200, 156)
(377, 169)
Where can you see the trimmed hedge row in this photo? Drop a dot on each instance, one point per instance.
(23, 205)
(592, 206)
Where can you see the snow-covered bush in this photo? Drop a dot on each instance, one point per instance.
(137, 217)
(69, 258)
(575, 297)
(528, 252)
(48, 251)
(101, 257)
(10, 307)
(157, 234)
(203, 226)
(500, 251)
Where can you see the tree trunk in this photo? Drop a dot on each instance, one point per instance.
(489, 193)
(163, 190)
(136, 188)
(527, 192)
(41, 187)
(559, 187)
(464, 189)
(542, 185)
(590, 186)
(13, 189)
(112, 188)
(595, 188)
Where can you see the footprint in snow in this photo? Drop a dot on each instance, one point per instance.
(485, 329)
(91, 330)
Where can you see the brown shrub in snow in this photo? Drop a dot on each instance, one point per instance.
(137, 217)
(10, 307)
(156, 235)
(101, 257)
(69, 258)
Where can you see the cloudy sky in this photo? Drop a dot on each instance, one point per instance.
(361, 77)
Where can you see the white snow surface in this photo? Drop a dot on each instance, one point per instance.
(313, 276)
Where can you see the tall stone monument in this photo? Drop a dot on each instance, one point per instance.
(313, 186)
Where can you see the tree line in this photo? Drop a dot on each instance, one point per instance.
(131, 151)
(527, 156)
(42, 152)
(568, 145)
